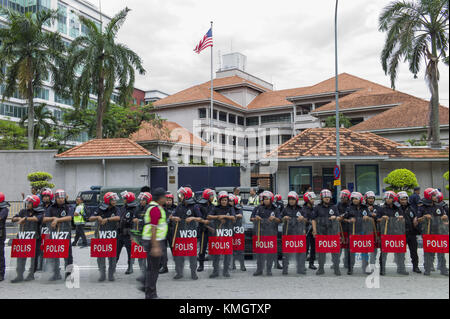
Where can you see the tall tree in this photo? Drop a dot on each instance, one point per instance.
(44, 122)
(28, 56)
(417, 32)
(103, 65)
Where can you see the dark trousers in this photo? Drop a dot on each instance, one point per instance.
(202, 251)
(226, 263)
(124, 240)
(179, 264)
(299, 258)
(152, 272)
(20, 267)
(411, 240)
(101, 262)
(311, 247)
(39, 256)
(54, 263)
(164, 259)
(79, 233)
(267, 259)
(2, 256)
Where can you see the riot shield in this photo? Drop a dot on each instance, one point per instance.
(344, 228)
(265, 237)
(393, 235)
(362, 238)
(56, 246)
(238, 235)
(293, 242)
(328, 238)
(220, 243)
(137, 246)
(23, 250)
(184, 240)
(435, 235)
(104, 246)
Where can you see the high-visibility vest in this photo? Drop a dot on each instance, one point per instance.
(161, 231)
(214, 202)
(80, 218)
(239, 198)
(253, 201)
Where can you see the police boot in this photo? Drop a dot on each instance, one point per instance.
(403, 272)
(2, 277)
(194, 275)
(17, 279)
(321, 271)
(444, 272)
(350, 271)
(279, 266)
(102, 275)
(233, 265)
(243, 266)
(337, 272)
(178, 276)
(163, 270)
(416, 269)
(311, 266)
(200, 266)
(215, 274)
(30, 277)
(111, 276)
(130, 268)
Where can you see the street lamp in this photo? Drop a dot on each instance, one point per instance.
(338, 155)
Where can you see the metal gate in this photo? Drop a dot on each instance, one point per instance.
(202, 177)
(158, 177)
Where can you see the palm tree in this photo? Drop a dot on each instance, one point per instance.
(417, 31)
(28, 55)
(44, 122)
(104, 65)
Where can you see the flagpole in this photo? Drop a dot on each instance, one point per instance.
(211, 107)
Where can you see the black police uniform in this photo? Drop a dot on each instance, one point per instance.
(373, 211)
(205, 209)
(139, 214)
(322, 211)
(170, 225)
(414, 201)
(39, 262)
(294, 212)
(60, 211)
(37, 212)
(265, 212)
(358, 212)
(310, 241)
(342, 208)
(409, 213)
(238, 254)
(435, 210)
(106, 211)
(184, 211)
(391, 211)
(4, 210)
(124, 235)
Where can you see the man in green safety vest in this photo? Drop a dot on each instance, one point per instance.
(253, 199)
(153, 236)
(79, 220)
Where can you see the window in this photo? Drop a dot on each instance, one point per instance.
(300, 178)
(58, 114)
(202, 113)
(222, 116)
(41, 93)
(223, 138)
(366, 178)
(62, 18)
(215, 115)
(240, 120)
(165, 157)
(74, 25)
(62, 100)
(232, 118)
(252, 121)
(356, 120)
(13, 110)
(277, 118)
(233, 140)
(267, 139)
(285, 138)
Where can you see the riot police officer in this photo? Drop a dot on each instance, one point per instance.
(222, 213)
(237, 254)
(189, 212)
(308, 212)
(430, 209)
(33, 213)
(390, 210)
(47, 197)
(266, 210)
(373, 210)
(410, 215)
(342, 208)
(170, 208)
(126, 212)
(107, 212)
(4, 210)
(205, 206)
(60, 212)
(323, 212)
(294, 211)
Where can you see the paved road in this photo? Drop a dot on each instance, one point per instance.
(240, 285)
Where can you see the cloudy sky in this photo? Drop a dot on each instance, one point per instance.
(287, 42)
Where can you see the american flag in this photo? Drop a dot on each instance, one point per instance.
(205, 42)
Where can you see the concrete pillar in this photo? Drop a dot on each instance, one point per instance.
(172, 187)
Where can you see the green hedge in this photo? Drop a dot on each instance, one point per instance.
(39, 176)
(401, 180)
